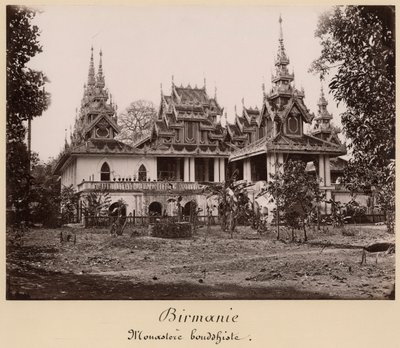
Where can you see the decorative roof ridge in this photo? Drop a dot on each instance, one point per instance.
(322, 140)
(99, 118)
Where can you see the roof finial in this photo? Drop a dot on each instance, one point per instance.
(280, 29)
(91, 79)
(172, 80)
(100, 77)
(215, 92)
(162, 93)
(235, 110)
(243, 101)
(205, 84)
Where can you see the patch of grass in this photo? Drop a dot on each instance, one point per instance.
(348, 232)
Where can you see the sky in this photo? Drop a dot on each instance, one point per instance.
(232, 47)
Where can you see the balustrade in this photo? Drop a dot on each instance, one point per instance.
(138, 186)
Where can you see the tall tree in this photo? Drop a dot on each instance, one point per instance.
(44, 195)
(358, 47)
(26, 99)
(136, 120)
(296, 194)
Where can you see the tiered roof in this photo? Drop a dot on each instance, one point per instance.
(323, 128)
(97, 109)
(96, 123)
(279, 125)
(188, 122)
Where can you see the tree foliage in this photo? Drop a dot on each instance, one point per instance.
(233, 202)
(136, 120)
(26, 99)
(295, 192)
(96, 203)
(44, 195)
(358, 47)
(69, 203)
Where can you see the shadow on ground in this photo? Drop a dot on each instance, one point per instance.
(43, 285)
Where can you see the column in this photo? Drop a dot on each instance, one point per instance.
(327, 171)
(280, 162)
(246, 170)
(216, 169)
(328, 184)
(328, 205)
(191, 170)
(271, 164)
(206, 169)
(269, 170)
(222, 169)
(321, 162)
(186, 169)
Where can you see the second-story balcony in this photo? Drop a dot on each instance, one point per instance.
(141, 186)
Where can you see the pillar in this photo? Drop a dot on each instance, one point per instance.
(222, 169)
(216, 169)
(280, 162)
(270, 165)
(328, 205)
(186, 169)
(206, 169)
(247, 169)
(327, 171)
(191, 170)
(321, 162)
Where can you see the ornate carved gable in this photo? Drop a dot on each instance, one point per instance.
(97, 116)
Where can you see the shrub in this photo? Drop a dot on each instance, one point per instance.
(169, 229)
(348, 232)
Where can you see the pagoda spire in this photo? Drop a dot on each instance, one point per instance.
(100, 76)
(281, 58)
(323, 113)
(91, 74)
(281, 78)
(323, 120)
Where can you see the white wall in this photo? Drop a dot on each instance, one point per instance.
(68, 176)
(88, 168)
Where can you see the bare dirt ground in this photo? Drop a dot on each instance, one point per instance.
(249, 266)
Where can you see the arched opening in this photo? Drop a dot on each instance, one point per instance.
(105, 172)
(155, 209)
(117, 209)
(189, 206)
(142, 173)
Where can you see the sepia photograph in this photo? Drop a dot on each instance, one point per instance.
(200, 153)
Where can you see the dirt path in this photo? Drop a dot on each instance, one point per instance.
(101, 267)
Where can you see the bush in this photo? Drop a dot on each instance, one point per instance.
(169, 229)
(348, 232)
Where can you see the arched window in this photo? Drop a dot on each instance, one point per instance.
(105, 172)
(142, 173)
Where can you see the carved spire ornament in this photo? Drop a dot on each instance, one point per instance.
(91, 74)
(100, 76)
